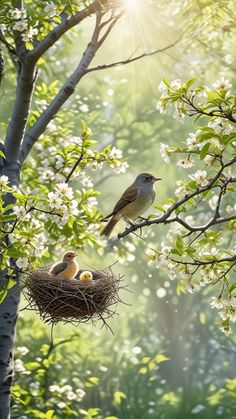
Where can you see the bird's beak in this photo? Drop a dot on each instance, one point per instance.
(75, 254)
(156, 178)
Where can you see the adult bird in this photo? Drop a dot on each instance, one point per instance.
(67, 268)
(136, 199)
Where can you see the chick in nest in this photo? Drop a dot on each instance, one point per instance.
(67, 268)
(86, 276)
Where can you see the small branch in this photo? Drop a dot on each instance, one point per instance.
(112, 22)
(65, 92)
(164, 218)
(130, 60)
(197, 262)
(75, 165)
(34, 55)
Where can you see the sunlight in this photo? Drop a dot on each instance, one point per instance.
(131, 4)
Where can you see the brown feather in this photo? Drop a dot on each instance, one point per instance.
(128, 196)
(58, 268)
(106, 231)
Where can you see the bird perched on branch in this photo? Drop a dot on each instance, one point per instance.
(86, 276)
(133, 203)
(67, 268)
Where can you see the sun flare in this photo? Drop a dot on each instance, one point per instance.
(131, 4)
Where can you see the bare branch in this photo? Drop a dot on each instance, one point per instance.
(65, 92)
(130, 60)
(63, 27)
(112, 22)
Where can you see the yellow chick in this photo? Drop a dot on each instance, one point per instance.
(86, 276)
(67, 268)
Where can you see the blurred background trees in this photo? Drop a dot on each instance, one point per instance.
(167, 358)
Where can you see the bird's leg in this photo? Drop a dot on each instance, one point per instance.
(144, 219)
(129, 222)
(134, 225)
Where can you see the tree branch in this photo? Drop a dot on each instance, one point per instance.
(130, 60)
(65, 92)
(20, 112)
(95, 7)
(164, 218)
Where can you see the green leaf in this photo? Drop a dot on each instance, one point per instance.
(118, 396)
(161, 358)
(3, 295)
(11, 283)
(179, 244)
(2, 154)
(204, 151)
(190, 82)
(49, 414)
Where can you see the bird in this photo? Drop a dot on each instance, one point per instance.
(86, 276)
(67, 268)
(136, 199)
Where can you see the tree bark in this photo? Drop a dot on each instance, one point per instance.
(8, 314)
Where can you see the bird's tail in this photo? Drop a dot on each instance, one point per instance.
(106, 231)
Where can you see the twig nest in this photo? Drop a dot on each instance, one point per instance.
(73, 300)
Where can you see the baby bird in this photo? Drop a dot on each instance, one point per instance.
(86, 276)
(67, 268)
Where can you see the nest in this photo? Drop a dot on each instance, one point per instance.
(73, 301)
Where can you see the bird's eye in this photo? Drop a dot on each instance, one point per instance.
(148, 178)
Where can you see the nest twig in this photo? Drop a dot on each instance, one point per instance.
(73, 301)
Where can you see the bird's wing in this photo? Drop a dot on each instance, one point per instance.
(128, 196)
(58, 268)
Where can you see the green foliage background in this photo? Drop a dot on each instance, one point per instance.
(167, 358)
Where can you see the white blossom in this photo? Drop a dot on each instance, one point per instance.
(200, 177)
(65, 190)
(85, 180)
(181, 190)
(55, 200)
(28, 36)
(163, 88)
(19, 367)
(120, 167)
(61, 405)
(115, 153)
(192, 141)
(20, 212)
(96, 165)
(179, 115)
(161, 107)
(20, 26)
(59, 161)
(216, 302)
(3, 28)
(186, 163)
(81, 393)
(18, 13)
(189, 287)
(220, 126)
(165, 152)
(92, 202)
(22, 262)
(50, 9)
(209, 159)
(176, 84)
(222, 84)
(4, 180)
(22, 350)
